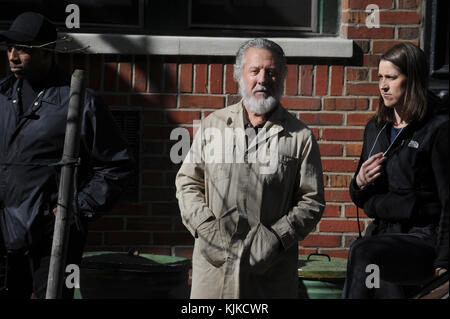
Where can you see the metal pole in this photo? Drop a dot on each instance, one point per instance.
(65, 196)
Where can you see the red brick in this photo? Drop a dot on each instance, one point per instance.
(301, 103)
(399, 17)
(375, 103)
(114, 99)
(371, 60)
(171, 75)
(315, 132)
(230, 84)
(125, 76)
(127, 238)
(321, 118)
(154, 100)
(356, 74)
(321, 80)
(363, 45)
(358, 118)
(345, 104)
(163, 194)
(206, 101)
(129, 209)
(94, 238)
(408, 33)
(362, 4)
(331, 211)
(140, 74)
(157, 132)
(155, 74)
(408, 4)
(350, 211)
(149, 223)
(151, 116)
(110, 74)
(367, 88)
(159, 163)
(338, 180)
(186, 117)
(341, 225)
(233, 99)
(152, 179)
(336, 253)
(353, 149)
(342, 134)
(186, 78)
(206, 113)
(339, 165)
(201, 74)
(106, 223)
(177, 224)
(216, 78)
(156, 250)
(291, 82)
(313, 240)
(354, 17)
(185, 252)
(362, 32)
(374, 75)
(327, 149)
(306, 79)
(306, 251)
(349, 240)
(337, 195)
(337, 80)
(172, 238)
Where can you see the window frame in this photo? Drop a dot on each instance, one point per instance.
(313, 28)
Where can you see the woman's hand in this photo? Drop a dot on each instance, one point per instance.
(370, 170)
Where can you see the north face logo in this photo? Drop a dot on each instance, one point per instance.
(413, 144)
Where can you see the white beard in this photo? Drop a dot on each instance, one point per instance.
(258, 106)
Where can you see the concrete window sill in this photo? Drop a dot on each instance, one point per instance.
(206, 46)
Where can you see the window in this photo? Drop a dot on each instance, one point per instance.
(236, 18)
(95, 15)
(253, 14)
(246, 18)
(192, 27)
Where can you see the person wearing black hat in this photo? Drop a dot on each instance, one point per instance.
(33, 114)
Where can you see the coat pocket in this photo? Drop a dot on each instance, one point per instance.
(210, 243)
(265, 248)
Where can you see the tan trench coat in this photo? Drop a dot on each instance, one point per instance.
(250, 248)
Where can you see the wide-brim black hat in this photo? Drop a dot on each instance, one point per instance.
(30, 28)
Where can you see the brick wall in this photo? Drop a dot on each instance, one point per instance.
(334, 97)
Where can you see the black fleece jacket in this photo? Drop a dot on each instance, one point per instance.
(411, 195)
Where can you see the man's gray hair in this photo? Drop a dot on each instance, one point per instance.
(259, 43)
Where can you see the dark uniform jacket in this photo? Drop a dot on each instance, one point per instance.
(411, 195)
(28, 194)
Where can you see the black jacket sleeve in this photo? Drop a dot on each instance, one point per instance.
(106, 159)
(439, 162)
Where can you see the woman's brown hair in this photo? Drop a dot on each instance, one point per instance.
(411, 62)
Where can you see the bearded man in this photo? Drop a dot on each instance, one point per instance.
(247, 221)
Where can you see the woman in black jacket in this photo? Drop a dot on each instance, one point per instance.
(402, 183)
